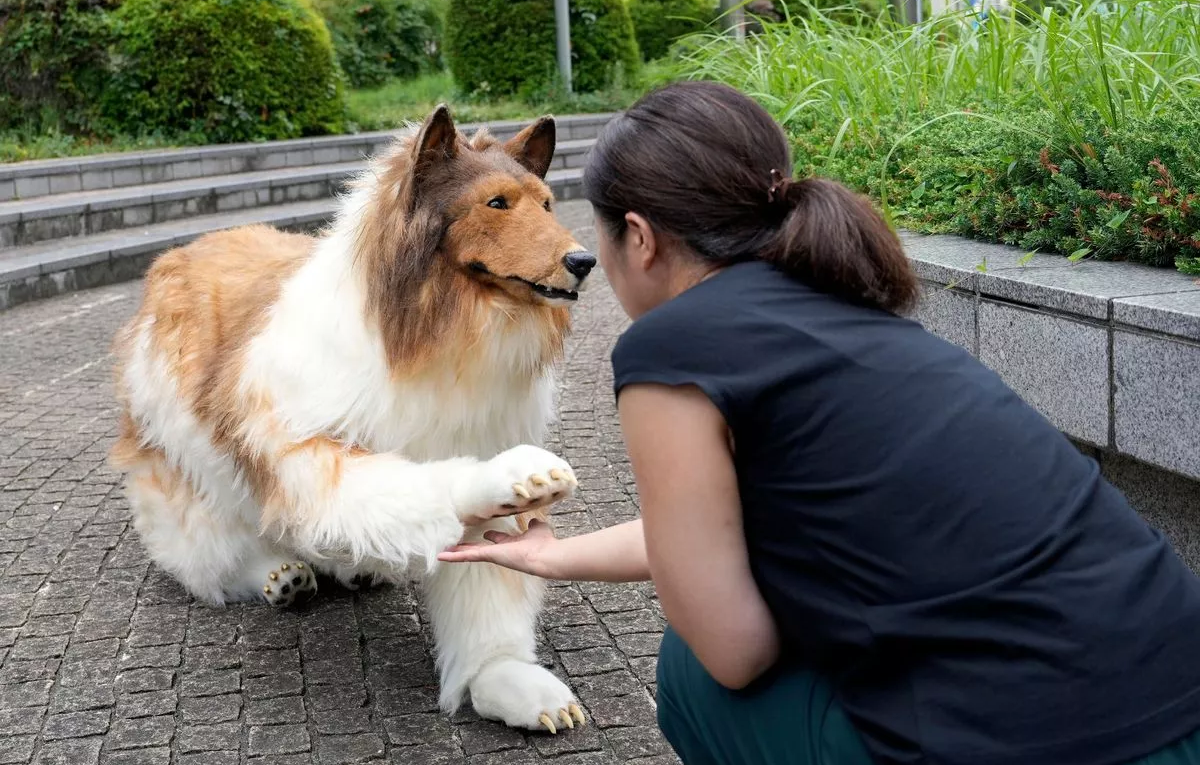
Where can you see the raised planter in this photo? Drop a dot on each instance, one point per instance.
(1108, 352)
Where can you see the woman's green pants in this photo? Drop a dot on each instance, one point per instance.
(790, 718)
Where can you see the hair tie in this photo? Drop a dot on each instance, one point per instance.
(780, 189)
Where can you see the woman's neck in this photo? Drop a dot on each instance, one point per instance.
(690, 275)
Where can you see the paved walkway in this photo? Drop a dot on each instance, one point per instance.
(105, 660)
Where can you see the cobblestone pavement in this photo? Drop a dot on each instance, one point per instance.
(105, 660)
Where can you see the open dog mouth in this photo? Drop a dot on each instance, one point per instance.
(554, 293)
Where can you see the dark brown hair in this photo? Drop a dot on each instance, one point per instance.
(707, 165)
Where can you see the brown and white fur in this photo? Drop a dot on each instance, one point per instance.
(356, 402)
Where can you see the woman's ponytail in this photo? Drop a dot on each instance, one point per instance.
(695, 159)
(833, 239)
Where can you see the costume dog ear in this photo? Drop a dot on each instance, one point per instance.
(436, 143)
(533, 147)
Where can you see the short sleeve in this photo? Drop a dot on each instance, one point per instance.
(660, 348)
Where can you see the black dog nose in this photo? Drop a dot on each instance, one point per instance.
(579, 263)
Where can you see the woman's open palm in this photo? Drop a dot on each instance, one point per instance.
(521, 552)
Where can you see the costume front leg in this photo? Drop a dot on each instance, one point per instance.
(484, 617)
(356, 511)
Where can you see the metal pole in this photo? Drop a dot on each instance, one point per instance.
(908, 11)
(734, 13)
(562, 25)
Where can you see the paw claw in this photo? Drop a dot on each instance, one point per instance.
(557, 475)
(520, 491)
(544, 719)
(537, 480)
(566, 718)
(577, 713)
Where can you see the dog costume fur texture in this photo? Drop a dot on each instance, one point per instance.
(359, 401)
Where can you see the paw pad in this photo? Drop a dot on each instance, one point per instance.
(290, 583)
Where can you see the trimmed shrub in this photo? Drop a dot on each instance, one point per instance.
(52, 61)
(377, 40)
(505, 47)
(1126, 193)
(659, 23)
(229, 70)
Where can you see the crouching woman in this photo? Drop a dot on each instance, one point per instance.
(868, 548)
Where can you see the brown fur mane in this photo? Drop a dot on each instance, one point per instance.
(426, 306)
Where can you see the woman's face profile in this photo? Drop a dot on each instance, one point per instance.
(625, 260)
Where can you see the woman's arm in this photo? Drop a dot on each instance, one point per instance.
(679, 447)
(614, 554)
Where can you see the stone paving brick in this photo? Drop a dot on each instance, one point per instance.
(278, 739)
(17, 749)
(283, 709)
(342, 750)
(138, 680)
(142, 732)
(76, 751)
(104, 659)
(207, 738)
(76, 725)
(158, 755)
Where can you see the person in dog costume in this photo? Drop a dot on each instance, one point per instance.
(869, 549)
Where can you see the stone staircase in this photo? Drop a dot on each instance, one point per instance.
(69, 224)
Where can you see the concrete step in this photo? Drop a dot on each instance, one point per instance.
(54, 267)
(41, 178)
(29, 222)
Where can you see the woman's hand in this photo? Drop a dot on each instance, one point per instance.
(614, 554)
(520, 552)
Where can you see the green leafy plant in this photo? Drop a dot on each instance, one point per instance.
(377, 40)
(1069, 131)
(506, 47)
(227, 70)
(52, 62)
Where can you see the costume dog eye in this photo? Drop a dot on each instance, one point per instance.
(546, 205)
(498, 203)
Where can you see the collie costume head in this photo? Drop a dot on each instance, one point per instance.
(453, 234)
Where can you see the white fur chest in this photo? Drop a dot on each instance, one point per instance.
(325, 372)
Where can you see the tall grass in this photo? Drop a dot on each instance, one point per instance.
(1092, 84)
(1121, 58)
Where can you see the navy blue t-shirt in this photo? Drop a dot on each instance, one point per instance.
(963, 574)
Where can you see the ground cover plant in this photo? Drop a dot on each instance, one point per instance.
(1072, 129)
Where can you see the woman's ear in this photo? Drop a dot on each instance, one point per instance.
(640, 241)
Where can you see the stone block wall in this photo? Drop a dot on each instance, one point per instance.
(1108, 352)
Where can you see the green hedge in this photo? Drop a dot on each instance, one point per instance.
(377, 40)
(504, 47)
(1132, 192)
(659, 23)
(52, 61)
(232, 70)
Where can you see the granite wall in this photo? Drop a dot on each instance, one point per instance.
(1109, 352)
